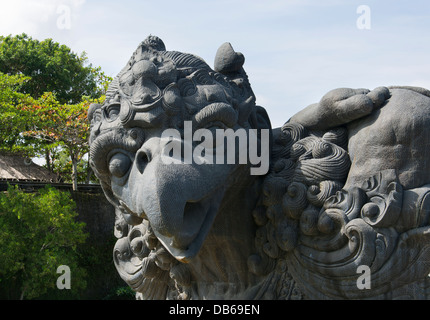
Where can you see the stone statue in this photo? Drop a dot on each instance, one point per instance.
(340, 213)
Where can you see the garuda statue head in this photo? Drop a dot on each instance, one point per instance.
(154, 147)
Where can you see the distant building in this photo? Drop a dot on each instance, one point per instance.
(14, 167)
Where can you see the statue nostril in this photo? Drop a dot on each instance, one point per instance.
(143, 157)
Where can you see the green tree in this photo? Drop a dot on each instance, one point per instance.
(52, 67)
(62, 125)
(63, 166)
(38, 234)
(12, 120)
(44, 127)
(45, 89)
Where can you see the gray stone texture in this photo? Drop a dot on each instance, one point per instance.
(346, 190)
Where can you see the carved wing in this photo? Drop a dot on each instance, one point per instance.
(325, 230)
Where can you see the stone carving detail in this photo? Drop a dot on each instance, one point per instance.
(348, 186)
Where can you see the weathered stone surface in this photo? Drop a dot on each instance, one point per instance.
(346, 191)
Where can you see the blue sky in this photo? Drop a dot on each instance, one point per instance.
(295, 50)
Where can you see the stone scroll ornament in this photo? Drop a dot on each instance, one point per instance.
(347, 186)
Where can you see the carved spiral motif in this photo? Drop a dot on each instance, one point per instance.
(308, 171)
(337, 136)
(295, 200)
(318, 194)
(309, 221)
(172, 101)
(148, 268)
(332, 163)
(290, 134)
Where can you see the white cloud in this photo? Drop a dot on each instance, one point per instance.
(32, 17)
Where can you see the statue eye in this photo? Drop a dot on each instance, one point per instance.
(112, 111)
(119, 164)
(186, 87)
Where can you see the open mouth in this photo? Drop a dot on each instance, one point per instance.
(198, 218)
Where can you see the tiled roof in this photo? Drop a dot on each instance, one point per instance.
(17, 167)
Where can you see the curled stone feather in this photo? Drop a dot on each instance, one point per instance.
(295, 200)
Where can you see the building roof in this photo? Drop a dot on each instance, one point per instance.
(17, 167)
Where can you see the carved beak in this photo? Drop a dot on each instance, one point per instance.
(180, 201)
(191, 227)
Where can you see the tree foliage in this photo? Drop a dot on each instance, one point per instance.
(62, 125)
(52, 67)
(12, 120)
(45, 90)
(39, 233)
